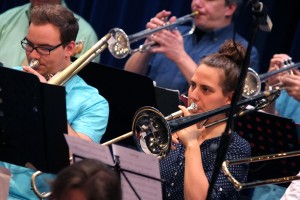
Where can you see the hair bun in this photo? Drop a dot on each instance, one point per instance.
(233, 50)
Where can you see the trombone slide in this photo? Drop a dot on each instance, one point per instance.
(240, 186)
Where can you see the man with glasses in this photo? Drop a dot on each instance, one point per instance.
(14, 26)
(51, 40)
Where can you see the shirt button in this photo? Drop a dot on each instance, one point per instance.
(175, 173)
(169, 194)
(172, 184)
(180, 163)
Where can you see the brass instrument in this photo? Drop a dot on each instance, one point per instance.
(118, 43)
(169, 117)
(34, 63)
(61, 77)
(240, 186)
(253, 81)
(121, 48)
(152, 132)
(43, 195)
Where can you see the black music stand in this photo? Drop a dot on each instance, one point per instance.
(126, 92)
(32, 122)
(269, 134)
(167, 100)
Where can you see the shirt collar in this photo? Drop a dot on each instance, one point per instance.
(214, 35)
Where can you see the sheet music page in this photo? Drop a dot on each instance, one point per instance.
(4, 182)
(146, 188)
(89, 149)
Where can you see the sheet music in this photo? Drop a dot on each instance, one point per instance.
(4, 182)
(88, 149)
(143, 164)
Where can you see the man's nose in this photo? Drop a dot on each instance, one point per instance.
(34, 54)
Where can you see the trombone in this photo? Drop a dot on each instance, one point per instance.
(152, 132)
(254, 81)
(169, 117)
(240, 186)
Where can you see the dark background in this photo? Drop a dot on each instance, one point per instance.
(132, 15)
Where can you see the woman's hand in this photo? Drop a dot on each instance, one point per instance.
(189, 135)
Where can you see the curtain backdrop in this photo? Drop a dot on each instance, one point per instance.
(132, 15)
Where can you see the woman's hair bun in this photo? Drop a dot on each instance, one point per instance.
(233, 50)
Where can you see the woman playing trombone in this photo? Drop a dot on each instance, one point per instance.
(188, 168)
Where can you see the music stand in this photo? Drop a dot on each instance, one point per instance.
(269, 134)
(167, 100)
(125, 92)
(139, 172)
(32, 122)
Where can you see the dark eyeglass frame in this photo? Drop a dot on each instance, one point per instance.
(39, 49)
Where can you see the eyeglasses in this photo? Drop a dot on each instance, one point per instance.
(42, 50)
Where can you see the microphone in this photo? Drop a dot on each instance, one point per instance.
(264, 21)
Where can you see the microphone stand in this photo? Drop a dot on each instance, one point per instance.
(226, 136)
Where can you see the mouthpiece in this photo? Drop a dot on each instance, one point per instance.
(34, 63)
(179, 113)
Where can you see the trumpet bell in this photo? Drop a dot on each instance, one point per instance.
(119, 45)
(252, 85)
(151, 132)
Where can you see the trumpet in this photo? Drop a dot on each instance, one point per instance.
(120, 47)
(240, 186)
(254, 81)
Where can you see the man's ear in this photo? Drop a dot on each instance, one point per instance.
(231, 8)
(70, 48)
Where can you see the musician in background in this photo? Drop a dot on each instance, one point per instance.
(286, 105)
(14, 26)
(173, 61)
(293, 191)
(87, 179)
(51, 40)
(188, 169)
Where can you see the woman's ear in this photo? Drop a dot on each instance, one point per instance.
(229, 98)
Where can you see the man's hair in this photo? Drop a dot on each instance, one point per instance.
(92, 177)
(58, 16)
(237, 2)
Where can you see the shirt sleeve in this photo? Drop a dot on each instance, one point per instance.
(87, 110)
(293, 191)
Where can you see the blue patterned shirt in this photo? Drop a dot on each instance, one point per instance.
(172, 168)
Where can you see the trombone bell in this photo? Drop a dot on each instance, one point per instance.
(152, 133)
